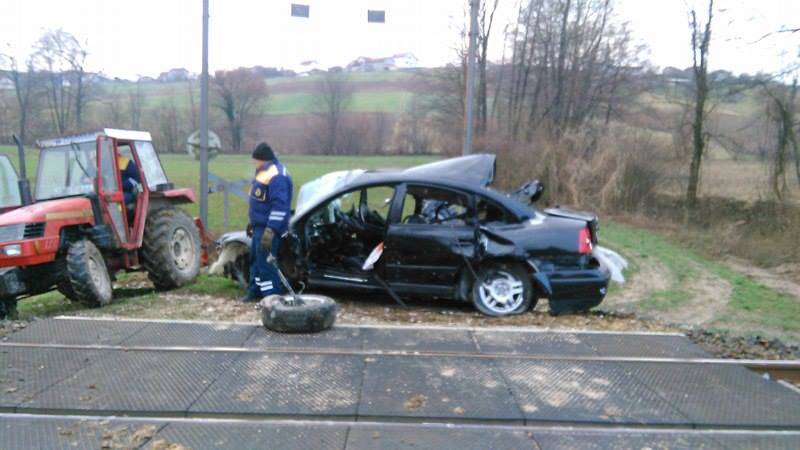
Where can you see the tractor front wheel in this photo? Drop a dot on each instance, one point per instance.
(88, 275)
(8, 309)
(171, 248)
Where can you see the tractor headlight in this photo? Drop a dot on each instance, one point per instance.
(12, 250)
(13, 232)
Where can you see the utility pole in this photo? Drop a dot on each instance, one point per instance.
(474, 5)
(204, 122)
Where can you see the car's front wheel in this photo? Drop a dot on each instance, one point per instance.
(502, 289)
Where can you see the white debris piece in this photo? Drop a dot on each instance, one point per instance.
(612, 261)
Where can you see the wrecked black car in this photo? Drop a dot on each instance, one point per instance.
(436, 231)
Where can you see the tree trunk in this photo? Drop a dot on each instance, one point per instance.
(79, 101)
(700, 44)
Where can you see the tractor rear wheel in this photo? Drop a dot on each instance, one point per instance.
(88, 274)
(171, 248)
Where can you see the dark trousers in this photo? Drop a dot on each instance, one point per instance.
(264, 279)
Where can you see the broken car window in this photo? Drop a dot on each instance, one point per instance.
(433, 206)
(489, 212)
(378, 202)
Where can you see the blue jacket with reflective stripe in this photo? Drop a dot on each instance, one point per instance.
(271, 197)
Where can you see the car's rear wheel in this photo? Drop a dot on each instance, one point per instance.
(88, 275)
(502, 289)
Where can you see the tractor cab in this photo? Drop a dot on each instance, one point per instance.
(119, 168)
(9, 186)
(101, 203)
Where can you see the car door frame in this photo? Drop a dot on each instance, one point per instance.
(400, 271)
(329, 277)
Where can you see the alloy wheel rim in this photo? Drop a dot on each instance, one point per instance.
(501, 292)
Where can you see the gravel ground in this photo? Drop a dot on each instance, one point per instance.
(380, 310)
(739, 347)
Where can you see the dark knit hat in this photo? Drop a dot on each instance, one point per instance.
(263, 152)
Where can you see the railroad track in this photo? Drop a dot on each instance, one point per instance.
(229, 381)
(788, 370)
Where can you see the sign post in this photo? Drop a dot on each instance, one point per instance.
(204, 122)
(470, 100)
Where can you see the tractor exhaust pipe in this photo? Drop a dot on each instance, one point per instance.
(24, 184)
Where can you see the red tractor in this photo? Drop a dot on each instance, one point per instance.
(84, 224)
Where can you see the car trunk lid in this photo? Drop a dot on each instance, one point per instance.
(567, 213)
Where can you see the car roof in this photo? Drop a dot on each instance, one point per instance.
(381, 177)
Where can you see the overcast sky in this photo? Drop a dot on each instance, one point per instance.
(128, 38)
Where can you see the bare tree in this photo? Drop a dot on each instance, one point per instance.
(569, 59)
(240, 96)
(169, 126)
(381, 131)
(413, 136)
(485, 22)
(701, 39)
(781, 115)
(135, 104)
(332, 99)
(115, 106)
(25, 90)
(63, 58)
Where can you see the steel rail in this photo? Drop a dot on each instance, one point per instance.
(778, 369)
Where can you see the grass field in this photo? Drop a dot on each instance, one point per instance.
(671, 282)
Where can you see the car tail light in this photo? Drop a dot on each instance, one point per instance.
(585, 241)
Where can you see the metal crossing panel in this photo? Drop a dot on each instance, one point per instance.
(370, 386)
(145, 383)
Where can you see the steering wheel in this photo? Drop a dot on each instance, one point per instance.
(345, 218)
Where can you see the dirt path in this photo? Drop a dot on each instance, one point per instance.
(784, 278)
(709, 296)
(651, 277)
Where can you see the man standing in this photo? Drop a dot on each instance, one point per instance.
(270, 208)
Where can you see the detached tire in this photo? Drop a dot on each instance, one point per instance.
(503, 289)
(317, 313)
(171, 248)
(88, 275)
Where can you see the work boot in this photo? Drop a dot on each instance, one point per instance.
(247, 298)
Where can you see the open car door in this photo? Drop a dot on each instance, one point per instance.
(9, 186)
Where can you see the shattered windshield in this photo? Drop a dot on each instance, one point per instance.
(9, 189)
(66, 171)
(311, 192)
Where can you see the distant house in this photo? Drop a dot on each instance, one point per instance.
(388, 63)
(405, 61)
(6, 84)
(146, 79)
(173, 75)
(96, 78)
(307, 68)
